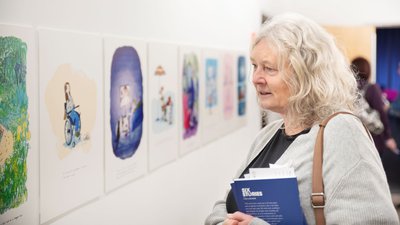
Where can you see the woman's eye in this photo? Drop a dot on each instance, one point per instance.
(269, 69)
(266, 69)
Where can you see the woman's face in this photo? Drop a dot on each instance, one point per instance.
(272, 91)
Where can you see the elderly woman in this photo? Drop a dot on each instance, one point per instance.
(299, 72)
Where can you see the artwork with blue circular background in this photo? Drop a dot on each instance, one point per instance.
(126, 106)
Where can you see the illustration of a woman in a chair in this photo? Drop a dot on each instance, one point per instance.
(72, 119)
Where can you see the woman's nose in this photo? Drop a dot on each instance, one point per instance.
(258, 78)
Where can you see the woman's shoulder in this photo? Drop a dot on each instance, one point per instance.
(346, 135)
(344, 123)
(342, 116)
(346, 144)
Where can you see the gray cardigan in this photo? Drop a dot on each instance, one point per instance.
(355, 183)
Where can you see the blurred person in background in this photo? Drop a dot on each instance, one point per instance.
(373, 95)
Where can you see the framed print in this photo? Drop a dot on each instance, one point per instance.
(211, 100)
(71, 105)
(19, 134)
(242, 85)
(125, 110)
(163, 118)
(229, 92)
(189, 72)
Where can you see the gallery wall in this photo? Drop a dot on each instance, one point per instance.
(181, 191)
(340, 13)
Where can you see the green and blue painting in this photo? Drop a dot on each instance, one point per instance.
(14, 123)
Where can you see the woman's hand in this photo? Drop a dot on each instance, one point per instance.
(238, 218)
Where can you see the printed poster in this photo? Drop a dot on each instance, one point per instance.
(242, 82)
(125, 110)
(212, 99)
(229, 92)
(163, 118)
(189, 73)
(71, 117)
(19, 134)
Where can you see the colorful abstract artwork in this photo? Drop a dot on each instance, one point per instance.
(241, 76)
(190, 95)
(14, 123)
(126, 107)
(19, 138)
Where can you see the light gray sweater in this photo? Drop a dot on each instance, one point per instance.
(355, 183)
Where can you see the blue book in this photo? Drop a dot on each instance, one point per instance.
(273, 200)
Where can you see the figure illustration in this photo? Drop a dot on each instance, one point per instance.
(166, 107)
(72, 119)
(123, 126)
(168, 110)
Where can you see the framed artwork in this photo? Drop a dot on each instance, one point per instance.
(71, 105)
(126, 102)
(229, 92)
(212, 99)
(189, 117)
(242, 81)
(163, 118)
(19, 134)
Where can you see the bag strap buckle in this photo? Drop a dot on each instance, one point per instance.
(318, 200)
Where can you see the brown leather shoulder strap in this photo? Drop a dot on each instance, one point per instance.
(318, 195)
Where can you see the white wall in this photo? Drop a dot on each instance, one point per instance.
(183, 191)
(340, 12)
